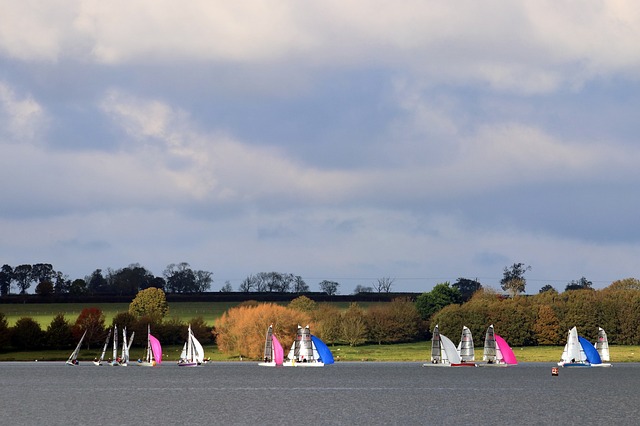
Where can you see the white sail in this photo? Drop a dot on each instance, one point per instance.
(465, 347)
(449, 351)
(104, 349)
(124, 357)
(115, 346)
(573, 353)
(183, 354)
(198, 350)
(490, 347)
(602, 345)
(303, 352)
(73, 358)
(192, 351)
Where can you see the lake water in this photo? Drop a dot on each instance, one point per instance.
(345, 393)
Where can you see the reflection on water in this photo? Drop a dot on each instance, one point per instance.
(344, 393)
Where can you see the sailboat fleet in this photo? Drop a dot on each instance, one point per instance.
(579, 352)
(308, 350)
(444, 353)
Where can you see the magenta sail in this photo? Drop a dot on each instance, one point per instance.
(278, 352)
(507, 354)
(156, 349)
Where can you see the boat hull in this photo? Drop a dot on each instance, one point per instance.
(302, 364)
(463, 364)
(573, 364)
(188, 364)
(602, 365)
(267, 364)
(493, 364)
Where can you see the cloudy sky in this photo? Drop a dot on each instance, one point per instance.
(418, 140)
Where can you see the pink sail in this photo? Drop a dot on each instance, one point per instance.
(278, 352)
(507, 354)
(156, 349)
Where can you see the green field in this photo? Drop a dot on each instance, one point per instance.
(45, 312)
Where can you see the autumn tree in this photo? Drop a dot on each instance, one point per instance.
(547, 327)
(90, 320)
(327, 319)
(513, 279)
(393, 322)
(625, 284)
(150, 302)
(241, 330)
(354, 327)
(303, 304)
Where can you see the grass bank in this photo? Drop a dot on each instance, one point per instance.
(405, 352)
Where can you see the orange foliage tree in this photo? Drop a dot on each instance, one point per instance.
(241, 330)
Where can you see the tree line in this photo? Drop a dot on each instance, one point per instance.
(176, 278)
(148, 308)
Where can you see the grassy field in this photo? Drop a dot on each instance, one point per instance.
(44, 313)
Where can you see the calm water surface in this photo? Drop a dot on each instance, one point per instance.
(344, 393)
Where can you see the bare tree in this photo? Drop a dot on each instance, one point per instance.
(383, 285)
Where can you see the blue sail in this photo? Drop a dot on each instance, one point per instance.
(323, 351)
(590, 351)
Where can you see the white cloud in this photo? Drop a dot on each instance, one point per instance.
(21, 120)
(525, 47)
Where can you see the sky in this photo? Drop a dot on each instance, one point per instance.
(419, 140)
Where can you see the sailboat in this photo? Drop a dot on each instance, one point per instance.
(115, 360)
(602, 346)
(98, 362)
(308, 351)
(444, 353)
(273, 352)
(126, 346)
(73, 358)
(192, 353)
(573, 354)
(465, 347)
(153, 355)
(496, 352)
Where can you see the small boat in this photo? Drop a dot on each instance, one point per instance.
(115, 360)
(153, 355)
(573, 354)
(602, 346)
(465, 347)
(126, 346)
(192, 353)
(444, 353)
(308, 351)
(99, 361)
(496, 352)
(73, 358)
(273, 352)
